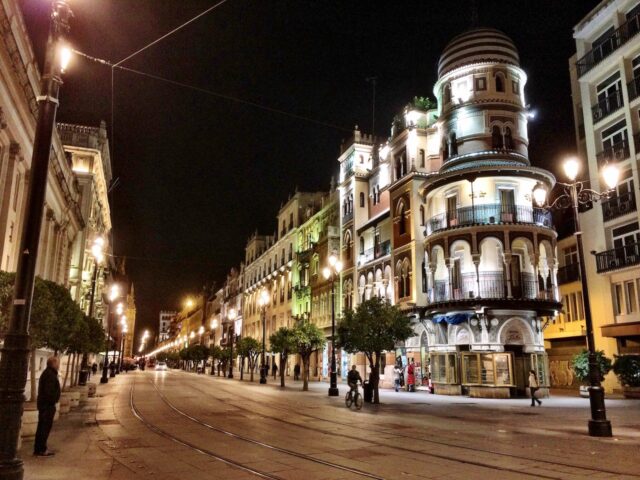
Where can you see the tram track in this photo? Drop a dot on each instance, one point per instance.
(240, 437)
(585, 470)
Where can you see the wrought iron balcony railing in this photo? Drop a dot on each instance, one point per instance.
(569, 273)
(619, 205)
(618, 37)
(489, 214)
(615, 153)
(606, 106)
(627, 256)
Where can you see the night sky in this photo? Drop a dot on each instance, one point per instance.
(198, 174)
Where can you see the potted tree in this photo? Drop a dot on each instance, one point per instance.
(627, 369)
(580, 365)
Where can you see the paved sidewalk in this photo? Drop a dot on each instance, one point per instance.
(80, 444)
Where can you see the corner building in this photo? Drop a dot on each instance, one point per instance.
(490, 254)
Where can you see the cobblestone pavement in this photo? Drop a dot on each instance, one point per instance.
(175, 425)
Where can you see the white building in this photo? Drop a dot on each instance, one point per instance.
(166, 317)
(605, 74)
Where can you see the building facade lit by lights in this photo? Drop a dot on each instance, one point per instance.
(605, 87)
(166, 317)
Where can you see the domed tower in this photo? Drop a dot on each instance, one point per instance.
(491, 275)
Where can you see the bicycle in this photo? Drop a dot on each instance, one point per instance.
(353, 396)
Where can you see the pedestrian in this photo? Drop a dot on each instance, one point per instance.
(48, 396)
(274, 369)
(94, 368)
(397, 371)
(296, 371)
(411, 377)
(533, 388)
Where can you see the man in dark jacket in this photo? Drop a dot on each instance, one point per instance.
(48, 396)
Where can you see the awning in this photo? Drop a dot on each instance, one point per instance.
(614, 330)
(453, 318)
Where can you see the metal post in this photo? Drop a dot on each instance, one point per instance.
(333, 379)
(599, 426)
(15, 352)
(232, 338)
(263, 373)
(105, 365)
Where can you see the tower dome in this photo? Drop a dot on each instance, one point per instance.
(476, 46)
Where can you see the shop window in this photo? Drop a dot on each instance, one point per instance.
(539, 365)
(491, 369)
(444, 368)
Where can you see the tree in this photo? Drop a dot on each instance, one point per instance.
(249, 348)
(185, 356)
(374, 327)
(307, 338)
(216, 353)
(282, 341)
(198, 353)
(225, 357)
(580, 365)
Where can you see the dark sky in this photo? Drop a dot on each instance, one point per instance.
(199, 174)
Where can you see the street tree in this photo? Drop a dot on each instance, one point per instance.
(216, 354)
(307, 338)
(249, 348)
(199, 353)
(282, 341)
(374, 327)
(225, 358)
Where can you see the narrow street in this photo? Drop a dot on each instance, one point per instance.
(174, 425)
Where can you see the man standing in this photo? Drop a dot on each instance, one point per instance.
(48, 396)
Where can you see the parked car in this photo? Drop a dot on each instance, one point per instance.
(161, 366)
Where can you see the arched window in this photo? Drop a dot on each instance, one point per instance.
(400, 288)
(361, 199)
(447, 94)
(422, 158)
(422, 215)
(453, 144)
(424, 276)
(406, 277)
(496, 138)
(499, 82)
(402, 222)
(508, 139)
(347, 245)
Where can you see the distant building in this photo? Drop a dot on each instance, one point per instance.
(166, 317)
(605, 87)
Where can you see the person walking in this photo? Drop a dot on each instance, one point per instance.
(296, 372)
(397, 371)
(94, 368)
(411, 376)
(48, 396)
(533, 388)
(274, 369)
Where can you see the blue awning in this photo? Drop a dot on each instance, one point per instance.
(452, 318)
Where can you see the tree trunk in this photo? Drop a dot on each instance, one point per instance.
(76, 376)
(283, 366)
(375, 379)
(72, 377)
(66, 372)
(242, 368)
(305, 374)
(32, 376)
(251, 368)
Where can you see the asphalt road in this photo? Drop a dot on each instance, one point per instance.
(175, 425)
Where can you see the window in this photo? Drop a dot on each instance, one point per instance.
(402, 223)
(361, 199)
(422, 158)
(481, 83)
(496, 138)
(16, 191)
(452, 210)
(508, 139)
(631, 298)
(361, 158)
(515, 87)
(570, 255)
(499, 82)
(617, 298)
(614, 142)
(494, 369)
(447, 94)
(444, 368)
(539, 365)
(609, 94)
(422, 215)
(361, 245)
(445, 149)
(453, 144)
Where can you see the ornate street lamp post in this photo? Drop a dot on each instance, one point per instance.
(331, 272)
(15, 351)
(114, 293)
(263, 301)
(232, 337)
(573, 195)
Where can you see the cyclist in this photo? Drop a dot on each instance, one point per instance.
(353, 377)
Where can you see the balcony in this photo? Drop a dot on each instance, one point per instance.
(621, 257)
(633, 88)
(619, 37)
(607, 106)
(381, 250)
(619, 205)
(488, 214)
(491, 285)
(617, 152)
(568, 273)
(347, 216)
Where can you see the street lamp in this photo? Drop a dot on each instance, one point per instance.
(330, 272)
(573, 195)
(123, 330)
(263, 301)
(114, 293)
(232, 337)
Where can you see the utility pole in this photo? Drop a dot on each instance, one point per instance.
(15, 352)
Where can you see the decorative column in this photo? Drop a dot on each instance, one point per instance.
(451, 265)
(476, 263)
(534, 258)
